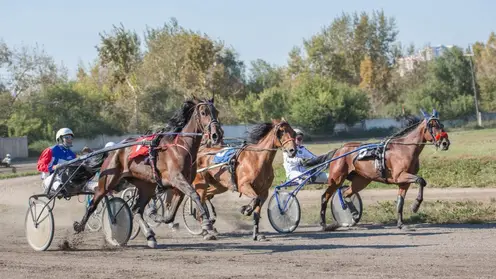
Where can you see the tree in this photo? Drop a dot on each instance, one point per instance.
(485, 64)
(120, 52)
(318, 103)
(28, 70)
(263, 76)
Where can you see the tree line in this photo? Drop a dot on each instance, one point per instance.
(346, 72)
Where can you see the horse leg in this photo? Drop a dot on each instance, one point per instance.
(97, 197)
(402, 190)
(105, 184)
(145, 193)
(170, 214)
(407, 178)
(338, 171)
(180, 182)
(358, 183)
(324, 200)
(256, 217)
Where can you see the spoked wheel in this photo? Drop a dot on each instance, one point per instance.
(118, 223)
(353, 207)
(130, 195)
(94, 223)
(154, 205)
(40, 225)
(192, 216)
(284, 212)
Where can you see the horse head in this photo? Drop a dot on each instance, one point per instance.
(436, 133)
(206, 114)
(285, 136)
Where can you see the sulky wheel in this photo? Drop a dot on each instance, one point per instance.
(353, 208)
(94, 223)
(118, 223)
(284, 212)
(192, 217)
(40, 225)
(156, 205)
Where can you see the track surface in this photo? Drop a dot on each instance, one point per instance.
(365, 252)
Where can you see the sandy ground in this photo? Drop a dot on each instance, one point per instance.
(462, 251)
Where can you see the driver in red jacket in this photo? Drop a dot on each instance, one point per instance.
(54, 155)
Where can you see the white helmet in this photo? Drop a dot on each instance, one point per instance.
(298, 131)
(110, 143)
(8, 155)
(63, 132)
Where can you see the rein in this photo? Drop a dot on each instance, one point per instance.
(213, 120)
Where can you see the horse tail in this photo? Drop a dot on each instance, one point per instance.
(320, 159)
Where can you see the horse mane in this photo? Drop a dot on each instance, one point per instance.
(259, 131)
(178, 120)
(412, 123)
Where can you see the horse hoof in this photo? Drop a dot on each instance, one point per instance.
(331, 228)
(214, 232)
(174, 227)
(77, 227)
(406, 228)
(209, 237)
(260, 237)
(246, 210)
(152, 243)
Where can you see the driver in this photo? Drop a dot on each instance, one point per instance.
(54, 155)
(294, 167)
(91, 186)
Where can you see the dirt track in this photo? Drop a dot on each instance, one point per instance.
(365, 252)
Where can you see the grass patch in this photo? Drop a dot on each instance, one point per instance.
(435, 212)
(430, 212)
(470, 162)
(18, 174)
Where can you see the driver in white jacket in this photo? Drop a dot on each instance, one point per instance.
(294, 167)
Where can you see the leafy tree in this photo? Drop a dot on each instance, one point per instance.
(120, 52)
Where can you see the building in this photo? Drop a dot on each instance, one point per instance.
(407, 63)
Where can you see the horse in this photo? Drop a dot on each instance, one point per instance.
(170, 163)
(399, 157)
(249, 170)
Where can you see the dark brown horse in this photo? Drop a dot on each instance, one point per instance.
(401, 164)
(251, 168)
(174, 155)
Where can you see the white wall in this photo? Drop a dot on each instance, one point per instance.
(17, 147)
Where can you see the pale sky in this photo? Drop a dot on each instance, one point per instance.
(68, 30)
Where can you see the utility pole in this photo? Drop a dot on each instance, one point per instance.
(477, 112)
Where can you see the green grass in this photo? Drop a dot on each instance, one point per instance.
(470, 161)
(431, 212)
(18, 174)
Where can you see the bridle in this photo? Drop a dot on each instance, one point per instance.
(276, 131)
(436, 139)
(213, 118)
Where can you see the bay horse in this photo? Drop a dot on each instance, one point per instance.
(171, 163)
(249, 170)
(400, 157)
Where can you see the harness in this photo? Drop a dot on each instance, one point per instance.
(379, 152)
(155, 145)
(232, 163)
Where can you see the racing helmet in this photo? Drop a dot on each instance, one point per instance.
(63, 132)
(298, 131)
(110, 143)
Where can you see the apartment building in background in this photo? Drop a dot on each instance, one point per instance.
(407, 63)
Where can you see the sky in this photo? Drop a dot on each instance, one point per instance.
(69, 30)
